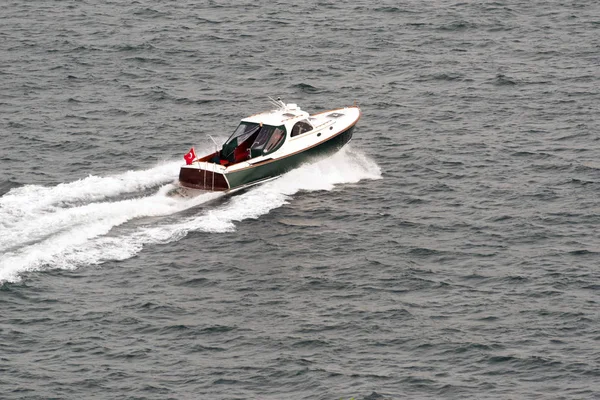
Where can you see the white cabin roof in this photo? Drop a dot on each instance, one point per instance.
(284, 115)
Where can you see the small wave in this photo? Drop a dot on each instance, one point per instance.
(449, 76)
(388, 10)
(197, 282)
(148, 60)
(457, 26)
(582, 252)
(202, 20)
(580, 182)
(134, 47)
(501, 359)
(6, 186)
(376, 396)
(149, 12)
(570, 137)
(417, 24)
(441, 76)
(186, 100)
(83, 49)
(13, 124)
(503, 80)
(534, 154)
(306, 88)
(424, 252)
(588, 166)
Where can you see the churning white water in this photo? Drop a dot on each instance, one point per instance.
(72, 224)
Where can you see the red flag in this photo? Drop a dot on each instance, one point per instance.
(190, 156)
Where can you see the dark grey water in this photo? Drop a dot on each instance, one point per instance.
(451, 251)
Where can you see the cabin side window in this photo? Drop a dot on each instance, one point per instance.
(301, 127)
(263, 136)
(275, 140)
(269, 139)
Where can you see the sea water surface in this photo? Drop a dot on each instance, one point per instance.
(451, 250)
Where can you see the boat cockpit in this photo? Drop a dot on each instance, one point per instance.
(250, 140)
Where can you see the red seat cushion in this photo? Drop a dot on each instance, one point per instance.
(240, 154)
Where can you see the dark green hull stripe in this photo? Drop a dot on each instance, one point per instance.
(283, 165)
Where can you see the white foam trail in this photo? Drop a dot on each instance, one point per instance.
(117, 213)
(80, 237)
(73, 243)
(26, 202)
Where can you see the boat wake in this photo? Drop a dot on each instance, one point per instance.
(97, 219)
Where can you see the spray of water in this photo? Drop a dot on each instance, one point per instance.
(73, 224)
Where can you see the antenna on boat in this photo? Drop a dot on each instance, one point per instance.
(213, 165)
(211, 138)
(277, 103)
(216, 145)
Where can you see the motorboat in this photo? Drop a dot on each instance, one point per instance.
(268, 144)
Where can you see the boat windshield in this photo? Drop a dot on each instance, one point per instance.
(241, 134)
(252, 140)
(267, 140)
(263, 136)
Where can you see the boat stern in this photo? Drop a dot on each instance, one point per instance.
(203, 176)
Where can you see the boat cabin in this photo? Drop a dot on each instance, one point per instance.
(263, 134)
